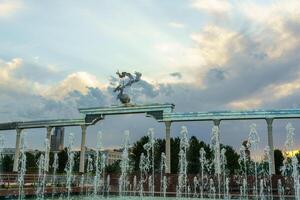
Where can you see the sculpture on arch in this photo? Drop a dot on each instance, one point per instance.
(126, 80)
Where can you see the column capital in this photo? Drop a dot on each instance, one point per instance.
(49, 128)
(168, 123)
(217, 122)
(83, 127)
(269, 121)
(19, 130)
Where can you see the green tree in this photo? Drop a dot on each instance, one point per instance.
(31, 162)
(62, 160)
(136, 151)
(193, 156)
(113, 168)
(7, 163)
(175, 145)
(232, 158)
(278, 157)
(159, 148)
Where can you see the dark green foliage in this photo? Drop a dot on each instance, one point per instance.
(31, 162)
(113, 168)
(175, 146)
(62, 160)
(158, 149)
(232, 158)
(136, 151)
(7, 163)
(193, 155)
(278, 161)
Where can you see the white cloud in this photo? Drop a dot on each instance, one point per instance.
(212, 46)
(272, 22)
(214, 7)
(216, 44)
(9, 82)
(9, 7)
(6, 69)
(176, 25)
(79, 81)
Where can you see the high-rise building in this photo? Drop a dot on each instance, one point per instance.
(57, 139)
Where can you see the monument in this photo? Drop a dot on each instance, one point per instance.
(126, 80)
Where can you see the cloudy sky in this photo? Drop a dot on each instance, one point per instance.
(201, 55)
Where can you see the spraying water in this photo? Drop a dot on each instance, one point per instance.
(55, 167)
(22, 168)
(203, 163)
(99, 166)
(295, 175)
(43, 164)
(89, 170)
(123, 180)
(223, 167)
(149, 147)
(196, 183)
(183, 164)
(163, 167)
(143, 173)
(253, 145)
(215, 146)
(243, 165)
(70, 165)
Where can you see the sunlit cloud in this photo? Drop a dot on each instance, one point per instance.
(275, 25)
(79, 81)
(9, 7)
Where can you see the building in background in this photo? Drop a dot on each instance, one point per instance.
(57, 139)
(112, 155)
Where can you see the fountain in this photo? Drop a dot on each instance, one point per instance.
(100, 164)
(243, 166)
(143, 173)
(182, 174)
(149, 147)
(203, 163)
(55, 167)
(213, 181)
(43, 164)
(215, 146)
(163, 178)
(123, 179)
(89, 171)
(223, 168)
(70, 165)
(22, 168)
(253, 147)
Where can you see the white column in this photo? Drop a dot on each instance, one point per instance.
(17, 150)
(82, 151)
(270, 142)
(48, 136)
(168, 146)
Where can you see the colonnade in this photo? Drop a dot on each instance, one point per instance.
(216, 122)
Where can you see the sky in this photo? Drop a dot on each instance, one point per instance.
(201, 55)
